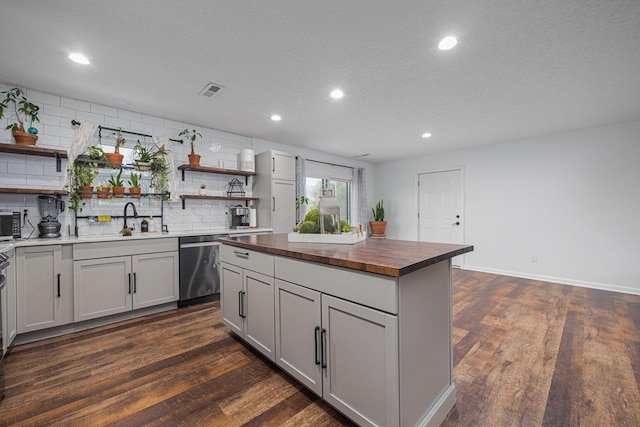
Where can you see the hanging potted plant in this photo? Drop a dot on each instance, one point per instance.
(116, 157)
(103, 191)
(134, 185)
(191, 136)
(117, 185)
(378, 225)
(25, 113)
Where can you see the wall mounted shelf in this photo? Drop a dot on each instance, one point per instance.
(33, 191)
(208, 169)
(199, 197)
(35, 151)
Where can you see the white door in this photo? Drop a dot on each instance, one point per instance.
(283, 205)
(440, 208)
(155, 279)
(230, 294)
(258, 312)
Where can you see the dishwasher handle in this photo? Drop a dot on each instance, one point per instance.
(198, 245)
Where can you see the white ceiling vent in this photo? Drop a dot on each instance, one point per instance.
(211, 90)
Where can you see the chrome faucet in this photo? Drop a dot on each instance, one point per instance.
(135, 214)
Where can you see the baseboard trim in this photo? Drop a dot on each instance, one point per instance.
(559, 280)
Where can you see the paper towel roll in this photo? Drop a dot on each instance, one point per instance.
(252, 218)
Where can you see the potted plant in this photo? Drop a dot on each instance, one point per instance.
(25, 113)
(103, 191)
(378, 225)
(191, 136)
(117, 185)
(134, 185)
(116, 157)
(143, 155)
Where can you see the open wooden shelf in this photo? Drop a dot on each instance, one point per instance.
(207, 169)
(32, 191)
(199, 197)
(32, 150)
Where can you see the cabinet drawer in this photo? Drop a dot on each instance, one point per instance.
(123, 247)
(246, 258)
(371, 290)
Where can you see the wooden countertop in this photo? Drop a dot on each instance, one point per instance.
(381, 256)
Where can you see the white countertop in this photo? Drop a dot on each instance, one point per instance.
(6, 245)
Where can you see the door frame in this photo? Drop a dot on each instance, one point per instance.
(461, 263)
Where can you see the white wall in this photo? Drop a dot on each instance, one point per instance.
(573, 199)
(56, 131)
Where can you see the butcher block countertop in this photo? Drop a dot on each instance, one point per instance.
(380, 256)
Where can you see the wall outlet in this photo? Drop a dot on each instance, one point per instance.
(534, 258)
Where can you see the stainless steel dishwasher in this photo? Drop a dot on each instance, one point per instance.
(199, 269)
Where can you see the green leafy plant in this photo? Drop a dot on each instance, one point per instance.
(117, 180)
(142, 152)
(134, 180)
(81, 174)
(191, 136)
(97, 153)
(378, 211)
(302, 200)
(25, 111)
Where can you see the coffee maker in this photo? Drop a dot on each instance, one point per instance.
(239, 217)
(50, 207)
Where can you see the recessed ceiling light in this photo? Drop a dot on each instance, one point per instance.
(276, 118)
(336, 94)
(79, 58)
(447, 43)
(426, 135)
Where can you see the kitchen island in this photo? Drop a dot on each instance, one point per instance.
(366, 326)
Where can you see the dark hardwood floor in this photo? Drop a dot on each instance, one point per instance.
(526, 353)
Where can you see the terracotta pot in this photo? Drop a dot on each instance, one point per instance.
(116, 159)
(118, 192)
(25, 138)
(194, 159)
(377, 228)
(85, 191)
(134, 192)
(104, 192)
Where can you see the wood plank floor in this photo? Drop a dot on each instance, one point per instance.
(526, 353)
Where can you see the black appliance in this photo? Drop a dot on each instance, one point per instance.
(199, 269)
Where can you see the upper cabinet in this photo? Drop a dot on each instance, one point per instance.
(283, 165)
(276, 187)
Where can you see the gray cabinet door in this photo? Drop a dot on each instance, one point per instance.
(156, 279)
(283, 205)
(298, 333)
(361, 353)
(230, 294)
(102, 287)
(258, 311)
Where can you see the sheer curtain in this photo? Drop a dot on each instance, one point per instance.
(300, 186)
(79, 146)
(363, 208)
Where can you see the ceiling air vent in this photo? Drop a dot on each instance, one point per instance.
(210, 90)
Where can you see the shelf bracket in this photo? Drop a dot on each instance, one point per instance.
(58, 161)
(183, 180)
(183, 199)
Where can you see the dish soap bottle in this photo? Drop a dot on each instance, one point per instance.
(144, 226)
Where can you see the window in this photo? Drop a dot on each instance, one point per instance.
(339, 178)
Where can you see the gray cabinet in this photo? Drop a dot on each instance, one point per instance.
(247, 297)
(145, 275)
(45, 287)
(344, 352)
(275, 187)
(12, 290)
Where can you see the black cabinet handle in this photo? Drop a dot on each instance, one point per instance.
(59, 294)
(274, 204)
(129, 283)
(323, 347)
(273, 162)
(315, 335)
(135, 283)
(240, 304)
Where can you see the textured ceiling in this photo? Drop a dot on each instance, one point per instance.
(522, 68)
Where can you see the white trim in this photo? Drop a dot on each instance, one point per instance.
(559, 280)
(440, 409)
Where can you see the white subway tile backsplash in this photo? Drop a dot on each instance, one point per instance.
(66, 132)
(75, 104)
(152, 120)
(42, 98)
(172, 124)
(129, 115)
(44, 182)
(25, 169)
(47, 119)
(141, 127)
(54, 110)
(116, 123)
(83, 116)
(48, 140)
(12, 180)
(104, 110)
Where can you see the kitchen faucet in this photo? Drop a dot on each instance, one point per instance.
(135, 214)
